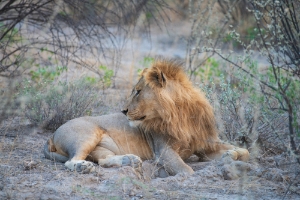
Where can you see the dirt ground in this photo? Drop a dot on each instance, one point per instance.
(26, 174)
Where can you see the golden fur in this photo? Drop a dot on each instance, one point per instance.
(167, 119)
(187, 116)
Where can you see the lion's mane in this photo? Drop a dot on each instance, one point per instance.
(187, 115)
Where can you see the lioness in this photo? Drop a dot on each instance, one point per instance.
(165, 119)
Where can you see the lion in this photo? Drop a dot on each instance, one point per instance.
(165, 119)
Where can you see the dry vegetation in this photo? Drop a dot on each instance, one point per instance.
(64, 59)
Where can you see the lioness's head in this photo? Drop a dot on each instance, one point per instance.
(164, 100)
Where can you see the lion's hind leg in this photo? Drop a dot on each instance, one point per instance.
(82, 166)
(51, 153)
(79, 162)
(80, 151)
(82, 157)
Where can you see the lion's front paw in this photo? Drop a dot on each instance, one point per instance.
(131, 160)
(238, 154)
(81, 166)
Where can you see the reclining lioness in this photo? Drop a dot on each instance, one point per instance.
(165, 118)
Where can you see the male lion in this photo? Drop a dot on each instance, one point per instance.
(165, 119)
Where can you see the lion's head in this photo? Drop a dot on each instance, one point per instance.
(165, 101)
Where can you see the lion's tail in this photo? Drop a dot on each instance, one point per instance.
(53, 155)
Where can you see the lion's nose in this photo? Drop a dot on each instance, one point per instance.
(124, 111)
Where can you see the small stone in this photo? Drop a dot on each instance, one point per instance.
(30, 165)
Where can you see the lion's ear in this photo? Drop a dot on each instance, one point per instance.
(160, 79)
(156, 77)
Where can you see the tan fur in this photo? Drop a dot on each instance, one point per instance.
(167, 119)
(187, 115)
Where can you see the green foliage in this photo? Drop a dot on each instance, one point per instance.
(231, 105)
(91, 80)
(286, 80)
(249, 85)
(274, 77)
(252, 33)
(230, 39)
(148, 15)
(49, 103)
(247, 108)
(106, 78)
(242, 113)
(237, 40)
(274, 90)
(146, 63)
(210, 69)
(63, 13)
(275, 37)
(46, 73)
(11, 36)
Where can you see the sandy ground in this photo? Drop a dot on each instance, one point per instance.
(45, 179)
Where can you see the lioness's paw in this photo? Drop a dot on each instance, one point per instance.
(238, 154)
(81, 166)
(131, 160)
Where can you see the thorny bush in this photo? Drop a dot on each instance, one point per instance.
(274, 84)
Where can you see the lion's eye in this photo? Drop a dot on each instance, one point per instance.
(137, 92)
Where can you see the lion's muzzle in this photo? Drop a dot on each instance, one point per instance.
(124, 111)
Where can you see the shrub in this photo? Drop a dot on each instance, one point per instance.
(243, 117)
(273, 87)
(50, 105)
